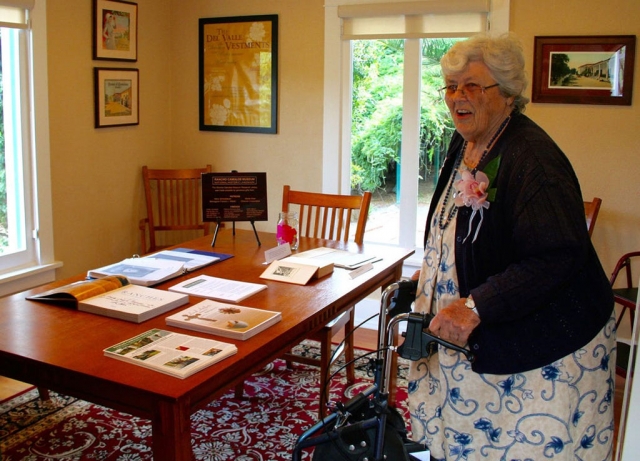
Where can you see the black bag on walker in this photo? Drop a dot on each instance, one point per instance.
(356, 441)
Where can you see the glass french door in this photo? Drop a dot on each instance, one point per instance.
(398, 132)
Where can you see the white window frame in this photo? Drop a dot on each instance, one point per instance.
(39, 268)
(337, 99)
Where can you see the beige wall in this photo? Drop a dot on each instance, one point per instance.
(96, 186)
(96, 181)
(602, 142)
(293, 155)
(97, 192)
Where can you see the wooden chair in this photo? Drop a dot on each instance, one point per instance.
(174, 203)
(328, 216)
(591, 210)
(626, 296)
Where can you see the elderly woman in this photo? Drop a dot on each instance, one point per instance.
(510, 272)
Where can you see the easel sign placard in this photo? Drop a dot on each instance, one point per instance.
(234, 197)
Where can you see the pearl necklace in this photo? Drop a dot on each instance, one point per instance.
(444, 221)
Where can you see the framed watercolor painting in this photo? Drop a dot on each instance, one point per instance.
(238, 59)
(116, 97)
(584, 69)
(115, 30)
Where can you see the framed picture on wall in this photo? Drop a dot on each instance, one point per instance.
(584, 69)
(238, 82)
(115, 30)
(116, 97)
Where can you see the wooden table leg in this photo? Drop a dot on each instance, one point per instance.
(171, 432)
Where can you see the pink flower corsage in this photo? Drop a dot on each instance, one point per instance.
(472, 192)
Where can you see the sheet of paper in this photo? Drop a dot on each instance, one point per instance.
(220, 289)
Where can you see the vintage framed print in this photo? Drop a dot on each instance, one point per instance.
(238, 74)
(115, 30)
(584, 69)
(116, 97)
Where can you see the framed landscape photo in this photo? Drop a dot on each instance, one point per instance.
(238, 82)
(115, 30)
(584, 69)
(116, 97)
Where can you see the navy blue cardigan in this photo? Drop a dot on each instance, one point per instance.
(533, 272)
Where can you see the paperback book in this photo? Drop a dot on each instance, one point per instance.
(171, 353)
(238, 322)
(69, 295)
(133, 303)
(115, 297)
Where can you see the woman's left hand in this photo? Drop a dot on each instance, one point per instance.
(454, 323)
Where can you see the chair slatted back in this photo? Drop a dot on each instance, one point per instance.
(328, 216)
(174, 201)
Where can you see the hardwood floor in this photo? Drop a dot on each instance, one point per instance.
(10, 387)
(363, 339)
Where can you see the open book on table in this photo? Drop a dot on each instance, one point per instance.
(114, 296)
(171, 353)
(142, 271)
(159, 267)
(231, 321)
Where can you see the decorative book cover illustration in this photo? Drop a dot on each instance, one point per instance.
(232, 321)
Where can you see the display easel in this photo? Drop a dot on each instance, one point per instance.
(232, 197)
(218, 221)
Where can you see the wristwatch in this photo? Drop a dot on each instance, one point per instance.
(470, 304)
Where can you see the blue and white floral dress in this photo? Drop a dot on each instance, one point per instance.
(563, 411)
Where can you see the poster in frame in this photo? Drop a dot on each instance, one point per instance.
(116, 97)
(115, 30)
(238, 78)
(594, 69)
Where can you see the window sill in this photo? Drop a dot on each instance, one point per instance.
(23, 279)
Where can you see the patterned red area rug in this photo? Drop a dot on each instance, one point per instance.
(279, 405)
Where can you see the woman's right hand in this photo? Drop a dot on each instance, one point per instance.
(454, 323)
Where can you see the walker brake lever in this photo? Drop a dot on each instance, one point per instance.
(420, 343)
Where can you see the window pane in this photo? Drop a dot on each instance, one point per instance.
(377, 130)
(436, 126)
(13, 210)
(376, 134)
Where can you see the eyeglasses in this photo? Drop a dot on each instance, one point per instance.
(468, 89)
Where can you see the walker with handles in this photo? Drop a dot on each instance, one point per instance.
(367, 428)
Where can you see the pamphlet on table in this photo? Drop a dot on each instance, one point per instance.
(228, 320)
(171, 353)
(340, 258)
(220, 289)
(114, 296)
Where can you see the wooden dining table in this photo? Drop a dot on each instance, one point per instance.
(61, 349)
